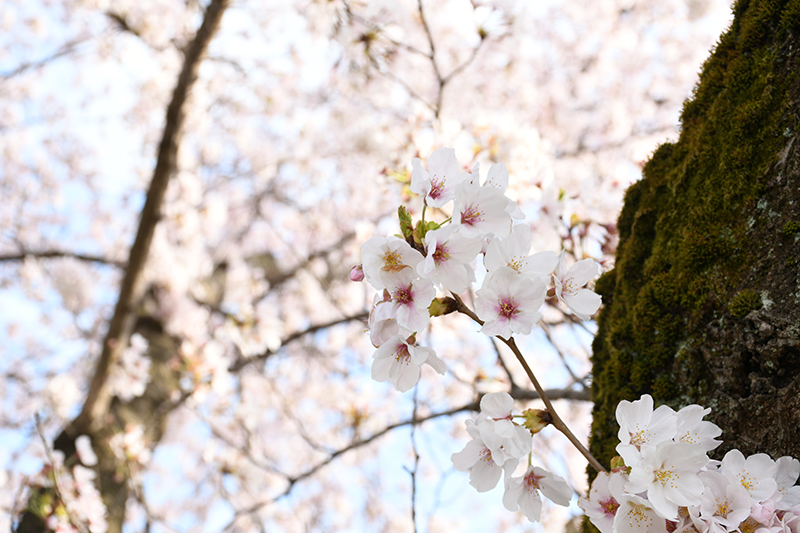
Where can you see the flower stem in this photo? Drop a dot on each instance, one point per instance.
(557, 421)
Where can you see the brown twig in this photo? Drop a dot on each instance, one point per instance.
(558, 423)
(243, 362)
(51, 254)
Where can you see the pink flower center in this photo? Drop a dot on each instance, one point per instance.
(403, 295)
(441, 254)
(470, 216)
(437, 188)
(402, 355)
(569, 287)
(531, 481)
(486, 455)
(507, 307)
(609, 506)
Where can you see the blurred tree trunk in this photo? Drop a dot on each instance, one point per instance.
(104, 415)
(703, 305)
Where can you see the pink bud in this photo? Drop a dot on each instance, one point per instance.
(357, 273)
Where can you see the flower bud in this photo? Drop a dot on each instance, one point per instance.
(357, 273)
(618, 465)
(442, 306)
(536, 420)
(406, 224)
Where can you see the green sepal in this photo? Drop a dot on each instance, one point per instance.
(442, 306)
(406, 224)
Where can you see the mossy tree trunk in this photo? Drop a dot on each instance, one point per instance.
(703, 305)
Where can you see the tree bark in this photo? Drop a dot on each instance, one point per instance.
(103, 414)
(703, 305)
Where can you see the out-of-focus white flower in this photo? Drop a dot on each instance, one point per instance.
(523, 492)
(130, 445)
(583, 302)
(64, 394)
(399, 362)
(131, 374)
(86, 454)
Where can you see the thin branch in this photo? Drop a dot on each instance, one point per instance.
(285, 276)
(472, 406)
(558, 423)
(65, 49)
(463, 65)
(430, 42)
(413, 471)
(50, 254)
(243, 362)
(131, 289)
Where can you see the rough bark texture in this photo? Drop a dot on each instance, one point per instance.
(704, 305)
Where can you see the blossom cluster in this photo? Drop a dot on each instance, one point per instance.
(409, 269)
(663, 479)
(497, 445)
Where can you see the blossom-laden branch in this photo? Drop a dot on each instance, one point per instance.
(557, 421)
(433, 256)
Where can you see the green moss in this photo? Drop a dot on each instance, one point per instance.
(744, 302)
(686, 246)
(791, 228)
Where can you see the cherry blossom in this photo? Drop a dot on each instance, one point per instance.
(481, 210)
(513, 251)
(476, 458)
(568, 284)
(602, 504)
(723, 505)
(505, 439)
(399, 361)
(411, 297)
(669, 475)
(379, 254)
(523, 492)
(509, 303)
(755, 473)
(637, 515)
(641, 427)
(438, 184)
(448, 252)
